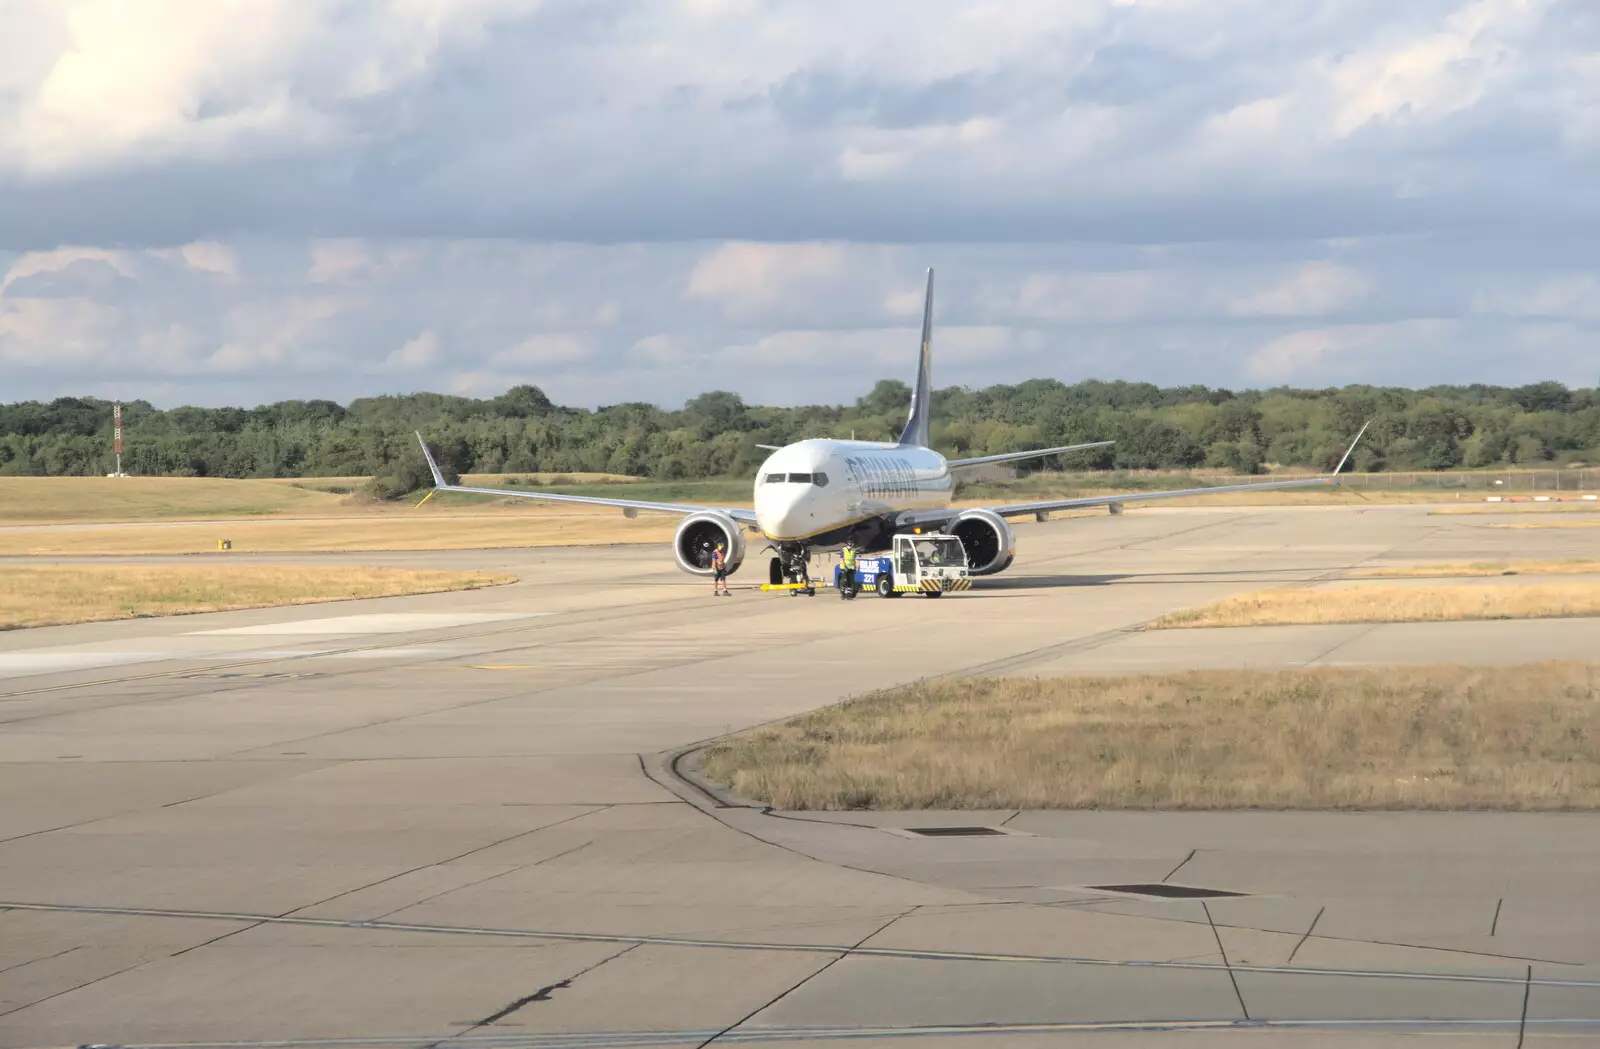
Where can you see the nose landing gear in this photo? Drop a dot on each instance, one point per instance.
(790, 566)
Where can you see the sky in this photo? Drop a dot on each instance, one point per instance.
(240, 201)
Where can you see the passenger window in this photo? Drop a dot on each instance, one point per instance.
(799, 478)
(774, 478)
(819, 479)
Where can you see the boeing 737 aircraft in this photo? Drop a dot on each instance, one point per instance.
(817, 494)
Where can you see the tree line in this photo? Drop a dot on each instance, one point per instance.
(716, 433)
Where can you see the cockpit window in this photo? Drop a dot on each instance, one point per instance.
(819, 479)
(774, 478)
(799, 478)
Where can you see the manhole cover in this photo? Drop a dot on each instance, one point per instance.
(1174, 892)
(953, 832)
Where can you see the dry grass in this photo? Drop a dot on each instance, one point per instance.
(1443, 737)
(1375, 604)
(70, 499)
(419, 530)
(42, 595)
(1516, 508)
(554, 478)
(1572, 566)
(1548, 524)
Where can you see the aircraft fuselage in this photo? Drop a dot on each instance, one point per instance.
(820, 492)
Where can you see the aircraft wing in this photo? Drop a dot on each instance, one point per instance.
(625, 505)
(1007, 457)
(1021, 509)
(939, 517)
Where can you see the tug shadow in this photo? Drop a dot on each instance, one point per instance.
(1051, 582)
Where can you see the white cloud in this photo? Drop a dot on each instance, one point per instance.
(662, 350)
(36, 262)
(1424, 77)
(1575, 295)
(338, 261)
(58, 333)
(164, 78)
(742, 274)
(541, 348)
(1312, 289)
(417, 353)
(211, 257)
(1342, 353)
(1089, 296)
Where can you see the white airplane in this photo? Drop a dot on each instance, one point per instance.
(817, 494)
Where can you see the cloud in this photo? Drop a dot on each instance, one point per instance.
(1088, 296)
(166, 79)
(77, 332)
(744, 274)
(418, 352)
(262, 198)
(1310, 357)
(1574, 295)
(35, 263)
(543, 348)
(661, 349)
(211, 257)
(1312, 289)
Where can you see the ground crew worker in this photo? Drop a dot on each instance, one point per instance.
(847, 569)
(719, 573)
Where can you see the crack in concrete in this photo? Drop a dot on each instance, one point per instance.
(806, 979)
(1225, 963)
(1302, 941)
(541, 995)
(1180, 866)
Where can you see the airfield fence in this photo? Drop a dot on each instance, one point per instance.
(1586, 479)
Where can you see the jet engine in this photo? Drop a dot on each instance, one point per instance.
(988, 540)
(699, 535)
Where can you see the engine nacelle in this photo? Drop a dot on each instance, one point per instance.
(699, 535)
(988, 540)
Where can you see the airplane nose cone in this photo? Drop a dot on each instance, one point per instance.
(784, 513)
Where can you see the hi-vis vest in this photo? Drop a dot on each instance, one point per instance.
(850, 560)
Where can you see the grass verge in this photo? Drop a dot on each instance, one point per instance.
(46, 595)
(1571, 566)
(1441, 737)
(71, 499)
(1375, 604)
(424, 529)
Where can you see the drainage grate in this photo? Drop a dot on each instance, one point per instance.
(953, 832)
(1172, 892)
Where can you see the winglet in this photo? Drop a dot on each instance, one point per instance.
(1352, 447)
(917, 432)
(433, 467)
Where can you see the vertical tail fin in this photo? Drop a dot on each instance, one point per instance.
(917, 431)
